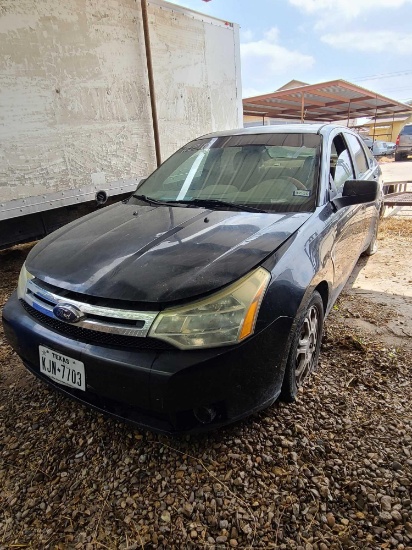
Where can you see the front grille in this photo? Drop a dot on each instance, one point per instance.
(65, 294)
(94, 336)
(98, 318)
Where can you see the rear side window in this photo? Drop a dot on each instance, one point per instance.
(341, 168)
(370, 158)
(407, 130)
(359, 157)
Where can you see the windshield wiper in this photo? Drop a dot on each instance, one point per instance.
(153, 201)
(217, 202)
(200, 202)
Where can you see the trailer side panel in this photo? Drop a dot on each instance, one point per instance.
(75, 114)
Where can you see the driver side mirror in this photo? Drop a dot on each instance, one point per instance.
(357, 192)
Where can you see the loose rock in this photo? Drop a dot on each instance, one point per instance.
(334, 470)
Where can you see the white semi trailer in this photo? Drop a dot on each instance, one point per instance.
(92, 93)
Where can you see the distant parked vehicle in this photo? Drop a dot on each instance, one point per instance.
(368, 142)
(404, 143)
(390, 147)
(378, 148)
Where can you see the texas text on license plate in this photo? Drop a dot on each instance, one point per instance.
(62, 369)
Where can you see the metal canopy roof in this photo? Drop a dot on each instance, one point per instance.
(326, 101)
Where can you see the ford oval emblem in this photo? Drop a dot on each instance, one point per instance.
(67, 313)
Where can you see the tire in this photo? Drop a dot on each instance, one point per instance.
(373, 245)
(304, 350)
(398, 157)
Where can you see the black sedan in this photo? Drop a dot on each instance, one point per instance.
(202, 297)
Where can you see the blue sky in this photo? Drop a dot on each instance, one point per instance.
(368, 42)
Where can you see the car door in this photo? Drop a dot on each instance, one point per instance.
(347, 221)
(366, 168)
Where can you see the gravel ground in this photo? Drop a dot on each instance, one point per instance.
(333, 470)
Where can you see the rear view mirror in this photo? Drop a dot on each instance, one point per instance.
(357, 192)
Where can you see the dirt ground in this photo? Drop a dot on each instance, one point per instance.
(384, 283)
(331, 471)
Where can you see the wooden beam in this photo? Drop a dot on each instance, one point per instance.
(354, 100)
(282, 111)
(315, 89)
(295, 100)
(302, 107)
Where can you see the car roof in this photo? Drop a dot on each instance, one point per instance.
(276, 129)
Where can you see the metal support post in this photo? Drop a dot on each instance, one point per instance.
(151, 80)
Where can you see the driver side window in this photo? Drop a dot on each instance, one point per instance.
(341, 168)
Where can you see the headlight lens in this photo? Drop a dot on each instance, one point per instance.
(225, 318)
(23, 278)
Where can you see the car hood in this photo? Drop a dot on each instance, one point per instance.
(158, 254)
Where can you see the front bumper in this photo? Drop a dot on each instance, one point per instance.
(161, 390)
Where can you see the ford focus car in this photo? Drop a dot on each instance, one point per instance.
(201, 298)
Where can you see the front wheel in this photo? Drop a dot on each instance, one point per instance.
(304, 350)
(373, 245)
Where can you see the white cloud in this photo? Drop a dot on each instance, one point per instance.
(347, 8)
(371, 41)
(271, 57)
(338, 10)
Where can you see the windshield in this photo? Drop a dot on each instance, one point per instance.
(274, 172)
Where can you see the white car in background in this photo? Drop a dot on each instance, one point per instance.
(379, 148)
(391, 147)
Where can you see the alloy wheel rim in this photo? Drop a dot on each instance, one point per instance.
(307, 345)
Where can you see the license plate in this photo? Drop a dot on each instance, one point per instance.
(62, 369)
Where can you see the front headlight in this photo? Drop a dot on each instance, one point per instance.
(225, 318)
(23, 278)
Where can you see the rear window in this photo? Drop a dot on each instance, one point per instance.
(407, 130)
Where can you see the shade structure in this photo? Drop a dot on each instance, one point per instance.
(335, 100)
